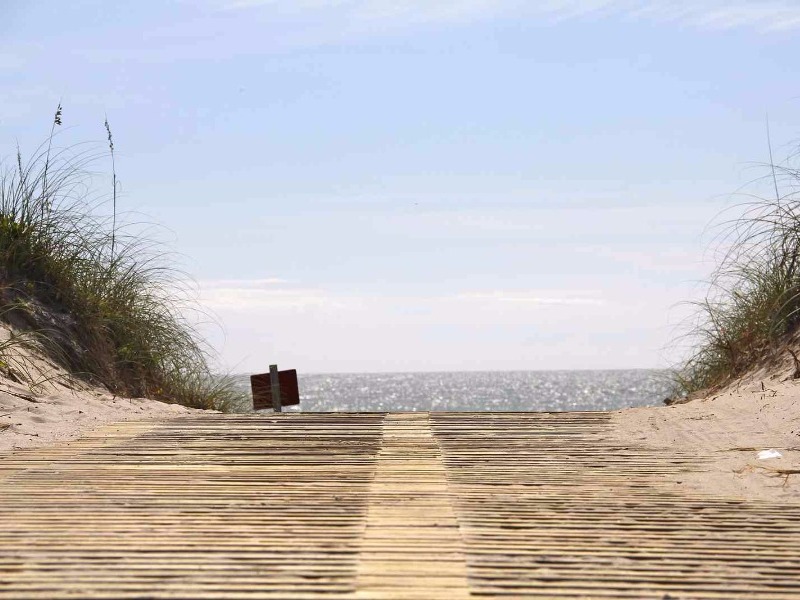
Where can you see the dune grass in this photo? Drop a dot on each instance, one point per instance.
(106, 298)
(752, 307)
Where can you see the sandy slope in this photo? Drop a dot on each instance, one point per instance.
(59, 408)
(731, 427)
(63, 414)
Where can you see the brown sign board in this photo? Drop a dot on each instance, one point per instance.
(262, 389)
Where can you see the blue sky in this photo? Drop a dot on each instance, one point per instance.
(365, 185)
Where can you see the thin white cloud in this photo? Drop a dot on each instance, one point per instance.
(327, 330)
(763, 16)
(532, 298)
(269, 295)
(242, 283)
(244, 298)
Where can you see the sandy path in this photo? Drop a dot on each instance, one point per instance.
(733, 426)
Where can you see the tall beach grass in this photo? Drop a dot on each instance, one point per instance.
(752, 308)
(105, 297)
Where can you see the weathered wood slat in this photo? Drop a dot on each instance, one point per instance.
(248, 507)
(567, 514)
(429, 506)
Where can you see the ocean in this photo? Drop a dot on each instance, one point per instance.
(482, 391)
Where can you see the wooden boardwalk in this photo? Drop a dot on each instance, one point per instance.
(410, 505)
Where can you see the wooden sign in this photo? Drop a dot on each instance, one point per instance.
(262, 390)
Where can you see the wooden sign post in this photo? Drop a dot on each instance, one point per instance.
(275, 389)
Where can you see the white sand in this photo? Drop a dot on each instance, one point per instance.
(730, 427)
(59, 408)
(35, 420)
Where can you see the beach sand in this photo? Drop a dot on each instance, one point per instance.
(60, 415)
(61, 408)
(760, 412)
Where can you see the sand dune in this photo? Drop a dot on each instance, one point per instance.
(758, 413)
(59, 408)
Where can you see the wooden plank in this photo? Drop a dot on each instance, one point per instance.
(405, 505)
(409, 501)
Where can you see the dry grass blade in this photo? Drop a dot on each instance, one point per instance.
(753, 302)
